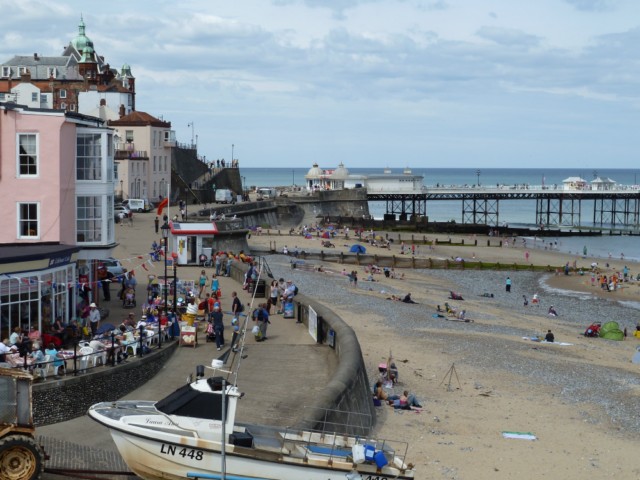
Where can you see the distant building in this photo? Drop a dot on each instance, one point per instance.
(575, 183)
(603, 184)
(76, 81)
(143, 155)
(388, 182)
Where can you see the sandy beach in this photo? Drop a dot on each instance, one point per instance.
(478, 380)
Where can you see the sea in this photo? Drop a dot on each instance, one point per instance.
(519, 213)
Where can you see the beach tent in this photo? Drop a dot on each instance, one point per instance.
(357, 248)
(326, 235)
(611, 331)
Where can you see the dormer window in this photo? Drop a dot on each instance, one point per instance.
(6, 72)
(22, 70)
(52, 72)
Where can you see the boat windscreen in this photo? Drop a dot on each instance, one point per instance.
(188, 402)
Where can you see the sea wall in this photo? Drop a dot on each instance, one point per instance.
(346, 400)
(70, 397)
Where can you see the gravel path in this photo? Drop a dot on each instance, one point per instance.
(500, 347)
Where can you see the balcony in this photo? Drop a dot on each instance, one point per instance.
(127, 151)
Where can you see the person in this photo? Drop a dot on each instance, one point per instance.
(236, 305)
(407, 299)
(37, 355)
(5, 348)
(202, 281)
(218, 263)
(58, 361)
(508, 285)
(526, 302)
(273, 293)
(262, 319)
(406, 401)
(381, 395)
(289, 292)
(549, 337)
(131, 218)
(552, 311)
(94, 318)
(156, 223)
(228, 267)
(218, 326)
(34, 334)
(215, 287)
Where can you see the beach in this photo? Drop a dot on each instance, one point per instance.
(479, 379)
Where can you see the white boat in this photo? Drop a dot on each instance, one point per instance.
(193, 433)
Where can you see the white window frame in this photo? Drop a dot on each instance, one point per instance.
(63, 106)
(52, 72)
(22, 70)
(20, 221)
(92, 164)
(92, 218)
(36, 154)
(6, 72)
(34, 96)
(63, 93)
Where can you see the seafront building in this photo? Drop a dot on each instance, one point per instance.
(339, 178)
(57, 182)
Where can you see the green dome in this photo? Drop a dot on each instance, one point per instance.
(82, 41)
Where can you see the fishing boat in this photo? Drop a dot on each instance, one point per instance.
(193, 433)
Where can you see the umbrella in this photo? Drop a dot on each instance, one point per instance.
(357, 248)
(105, 327)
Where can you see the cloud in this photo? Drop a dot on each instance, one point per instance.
(593, 5)
(509, 37)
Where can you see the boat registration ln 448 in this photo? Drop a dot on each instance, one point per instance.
(184, 452)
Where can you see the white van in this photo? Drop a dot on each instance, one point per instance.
(267, 193)
(137, 204)
(224, 195)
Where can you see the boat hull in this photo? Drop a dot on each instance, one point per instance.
(156, 448)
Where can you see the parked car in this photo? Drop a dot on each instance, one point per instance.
(121, 211)
(114, 266)
(137, 204)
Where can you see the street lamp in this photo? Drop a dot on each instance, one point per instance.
(232, 145)
(174, 256)
(165, 236)
(478, 175)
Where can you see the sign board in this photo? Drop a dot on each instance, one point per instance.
(313, 323)
(189, 335)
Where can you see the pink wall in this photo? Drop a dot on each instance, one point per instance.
(53, 188)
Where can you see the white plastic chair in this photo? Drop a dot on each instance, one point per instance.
(48, 363)
(133, 345)
(44, 366)
(84, 354)
(102, 356)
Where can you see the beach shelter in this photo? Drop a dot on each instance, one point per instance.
(611, 331)
(357, 248)
(326, 235)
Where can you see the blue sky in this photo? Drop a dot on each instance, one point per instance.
(371, 83)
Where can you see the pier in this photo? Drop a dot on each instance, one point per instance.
(557, 205)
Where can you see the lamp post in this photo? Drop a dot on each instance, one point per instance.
(478, 175)
(165, 236)
(121, 191)
(232, 145)
(174, 256)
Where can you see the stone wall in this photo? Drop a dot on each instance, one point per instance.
(347, 397)
(70, 397)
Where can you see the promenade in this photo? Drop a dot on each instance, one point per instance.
(279, 376)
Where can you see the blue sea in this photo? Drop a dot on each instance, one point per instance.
(515, 213)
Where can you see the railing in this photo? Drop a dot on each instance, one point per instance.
(131, 154)
(76, 363)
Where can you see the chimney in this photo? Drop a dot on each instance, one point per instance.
(35, 57)
(122, 110)
(103, 102)
(25, 77)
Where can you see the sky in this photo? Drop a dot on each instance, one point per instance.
(370, 83)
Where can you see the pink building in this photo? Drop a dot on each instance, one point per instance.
(56, 194)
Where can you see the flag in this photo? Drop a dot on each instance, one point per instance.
(162, 204)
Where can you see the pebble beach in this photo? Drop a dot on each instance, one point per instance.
(480, 378)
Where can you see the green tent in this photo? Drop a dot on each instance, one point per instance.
(611, 331)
